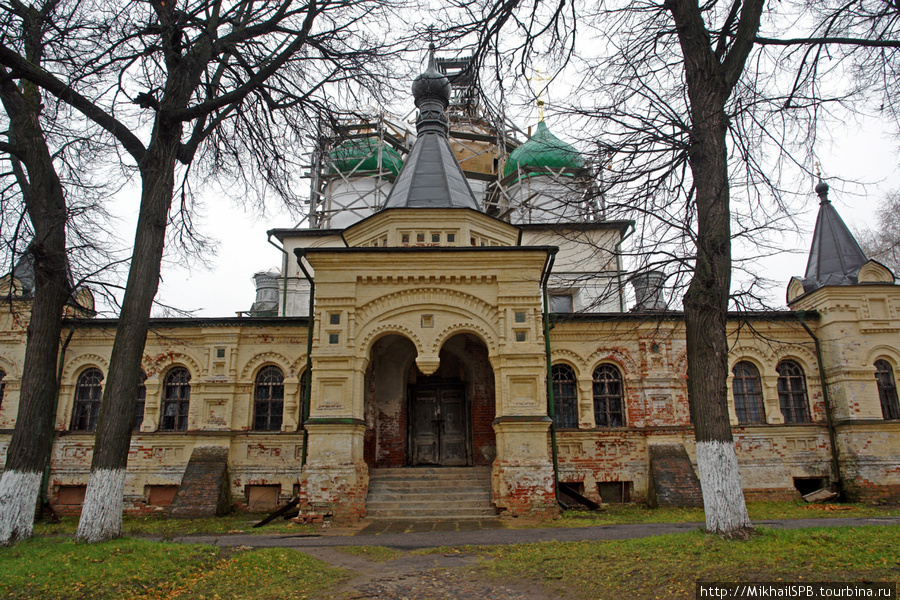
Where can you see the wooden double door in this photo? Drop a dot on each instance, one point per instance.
(440, 430)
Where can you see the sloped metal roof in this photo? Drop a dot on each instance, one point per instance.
(431, 178)
(834, 256)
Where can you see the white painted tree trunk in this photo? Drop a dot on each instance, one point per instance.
(18, 499)
(101, 513)
(723, 497)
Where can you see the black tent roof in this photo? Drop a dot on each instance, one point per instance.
(834, 256)
(431, 176)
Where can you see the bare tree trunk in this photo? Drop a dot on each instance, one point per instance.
(101, 514)
(32, 439)
(705, 313)
(201, 67)
(711, 74)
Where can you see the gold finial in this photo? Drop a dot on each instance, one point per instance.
(540, 101)
(818, 171)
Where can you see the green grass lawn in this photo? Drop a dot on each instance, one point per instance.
(160, 525)
(611, 514)
(616, 514)
(56, 569)
(665, 567)
(668, 567)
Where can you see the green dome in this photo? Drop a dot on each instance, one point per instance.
(347, 157)
(542, 150)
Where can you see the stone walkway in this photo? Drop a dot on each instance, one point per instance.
(441, 576)
(412, 535)
(451, 575)
(378, 527)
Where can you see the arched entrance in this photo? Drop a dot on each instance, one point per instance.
(442, 419)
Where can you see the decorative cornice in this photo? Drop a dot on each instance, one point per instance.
(426, 279)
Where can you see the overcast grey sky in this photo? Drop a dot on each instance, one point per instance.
(222, 285)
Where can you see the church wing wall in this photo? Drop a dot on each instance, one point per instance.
(223, 361)
(775, 457)
(225, 358)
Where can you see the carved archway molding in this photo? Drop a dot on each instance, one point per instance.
(573, 359)
(261, 358)
(386, 329)
(803, 357)
(83, 360)
(10, 368)
(298, 366)
(478, 331)
(627, 363)
(170, 359)
(881, 351)
(440, 298)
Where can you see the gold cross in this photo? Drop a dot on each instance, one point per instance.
(540, 100)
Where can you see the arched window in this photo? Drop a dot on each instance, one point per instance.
(565, 397)
(268, 407)
(887, 390)
(88, 393)
(176, 401)
(747, 388)
(792, 392)
(140, 401)
(2, 385)
(609, 403)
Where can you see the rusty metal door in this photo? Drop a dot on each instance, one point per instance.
(439, 425)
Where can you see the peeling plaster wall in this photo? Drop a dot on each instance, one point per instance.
(359, 394)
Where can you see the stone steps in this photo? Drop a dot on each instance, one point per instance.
(672, 478)
(204, 487)
(450, 493)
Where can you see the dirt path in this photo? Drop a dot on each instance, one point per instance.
(423, 577)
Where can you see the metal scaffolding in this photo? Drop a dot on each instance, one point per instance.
(342, 194)
(482, 138)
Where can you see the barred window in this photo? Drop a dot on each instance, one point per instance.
(565, 397)
(268, 407)
(747, 388)
(140, 401)
(792, 392)
(88, 393)
(609, 402)
(176, 400)
(887, 390)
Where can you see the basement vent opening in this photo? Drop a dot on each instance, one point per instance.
(160, 495)
(807, 485)
(70, 495)
(262, 498)
(577, 486)
(615, 492)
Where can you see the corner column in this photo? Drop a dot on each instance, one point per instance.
(523, 483)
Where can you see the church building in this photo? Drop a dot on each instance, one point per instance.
(451, 336)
